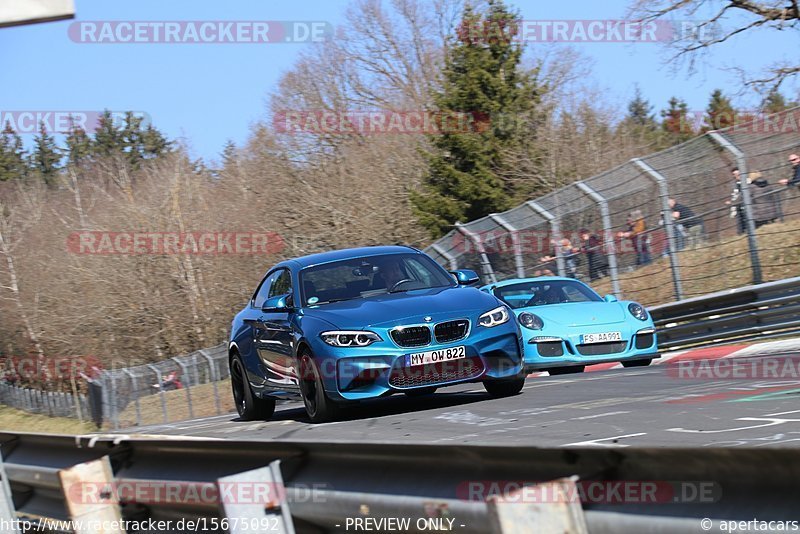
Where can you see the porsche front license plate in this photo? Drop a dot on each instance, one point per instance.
(436, 356)
(603, 337)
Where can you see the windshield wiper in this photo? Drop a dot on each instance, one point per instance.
(331, 301)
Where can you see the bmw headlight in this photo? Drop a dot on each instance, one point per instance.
(494, 317)
(530, 321)
(349, 338)
(638, 311)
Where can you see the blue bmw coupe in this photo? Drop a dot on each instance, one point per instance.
(350, 325)
(566, 325)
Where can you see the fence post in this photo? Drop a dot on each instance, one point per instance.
(555, 228)
(519, 261)
(451, 261)
(213, 372)
(608, 239)
(135, 386)
(486, 265)
(666, 216)
(7, 511)
(187, 386)
(747, 202)
(160, 391)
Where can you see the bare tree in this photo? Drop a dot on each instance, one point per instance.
(746, 16)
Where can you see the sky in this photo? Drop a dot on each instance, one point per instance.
(206, 94)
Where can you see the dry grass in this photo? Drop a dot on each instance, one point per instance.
(715, 266)
(203, 405)
(18, 421)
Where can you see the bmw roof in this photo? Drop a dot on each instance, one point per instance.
(347, 254)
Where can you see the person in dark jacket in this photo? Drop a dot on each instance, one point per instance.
(592, 247)
(764, 201)
(688, 225)
(794, 159)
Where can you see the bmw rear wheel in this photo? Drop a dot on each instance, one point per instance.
(319, 407)
(248, 405)
(504, 388)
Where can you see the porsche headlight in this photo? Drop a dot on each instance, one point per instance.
(638, 311)
(494, 317)
(349, 338)
(530, 321)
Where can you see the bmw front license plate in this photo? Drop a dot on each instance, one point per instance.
(603, 337)
(436, 356)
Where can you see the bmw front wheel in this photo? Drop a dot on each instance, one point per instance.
(504, 388)
(319, 407)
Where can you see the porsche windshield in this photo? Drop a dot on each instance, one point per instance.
(545, 292)
(370, 276)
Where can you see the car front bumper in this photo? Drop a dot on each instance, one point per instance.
(548, 350)
(360, 373)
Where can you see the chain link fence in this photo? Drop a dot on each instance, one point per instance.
(184, 387)
(671, 225)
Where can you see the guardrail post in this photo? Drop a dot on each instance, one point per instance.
(519, 261)
(556, 507)
(451, 261)
(243, 514)
(608, 238)
(7, 512)
(135, 386)
(160, 391)
(90, 496)
(486, 265)
(747, 202)
(212, 370)
(666, 216)
(186, 385)
(555, 228)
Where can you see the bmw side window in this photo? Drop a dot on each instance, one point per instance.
(282, 284)
(263, 291)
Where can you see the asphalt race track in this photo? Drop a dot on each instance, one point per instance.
(661, 405)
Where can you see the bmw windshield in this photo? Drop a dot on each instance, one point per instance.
(370, 276)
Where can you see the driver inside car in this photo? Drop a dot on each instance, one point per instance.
(391, 273)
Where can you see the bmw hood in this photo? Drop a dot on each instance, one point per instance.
(405, 308)
(579, 314)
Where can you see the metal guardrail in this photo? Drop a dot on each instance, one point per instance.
(327, 485)
(746, 313)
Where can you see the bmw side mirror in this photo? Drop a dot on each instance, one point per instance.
(278, 304)
(466, 277)
(610, 298)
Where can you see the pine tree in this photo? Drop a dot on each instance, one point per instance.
(775, 102)
(79, 144)
(483, 77)
(12, 155)
(719, 113)
(46, 156)
(108, 139)
(640, 124)
(676, 123)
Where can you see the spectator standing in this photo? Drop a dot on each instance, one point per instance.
(794, 159)
(637, 233)
(765, 204)
(592, 247)
(689, 225)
